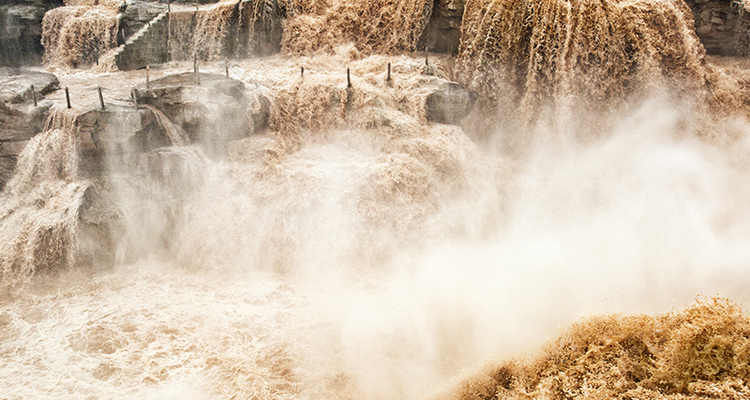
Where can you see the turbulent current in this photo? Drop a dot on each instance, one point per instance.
(596, 199)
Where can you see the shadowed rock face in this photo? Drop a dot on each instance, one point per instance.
(443, 33)
(722, 26)
(21, 31)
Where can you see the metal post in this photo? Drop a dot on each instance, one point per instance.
(388, 79)
(67, 96)
(348, 78)
(33, 94)
(101, 98)
(302, 70)
(195, 68)
(226, 66)
(135, 98)
(169, 9)
(148, 77)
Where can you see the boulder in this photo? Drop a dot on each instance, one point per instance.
(449, 103)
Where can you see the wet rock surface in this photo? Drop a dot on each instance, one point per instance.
(15, 84)
(443, 32)
(449, 103)
(21, 31)
(20, 119)
(211, 108)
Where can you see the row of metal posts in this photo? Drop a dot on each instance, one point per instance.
(388, 79)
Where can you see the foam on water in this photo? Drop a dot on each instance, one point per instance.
(358, 251)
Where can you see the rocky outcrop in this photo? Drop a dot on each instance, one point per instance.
(15, 84)
(117, 132)
(449, 103)
(20, 119)
(722, 25)
(211, 109)
(21, 31)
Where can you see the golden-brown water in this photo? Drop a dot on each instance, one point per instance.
(355, 250)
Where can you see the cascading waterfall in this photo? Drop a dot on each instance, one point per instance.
(352, 248)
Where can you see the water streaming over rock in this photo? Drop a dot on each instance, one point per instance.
(350, 248)
(75, 36)
(40, 206)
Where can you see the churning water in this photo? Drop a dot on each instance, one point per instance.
(358, 251)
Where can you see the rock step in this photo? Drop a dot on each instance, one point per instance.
(137, 51)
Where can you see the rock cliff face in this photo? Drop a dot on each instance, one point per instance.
(443, 33)
(21, 31)
(722, 25)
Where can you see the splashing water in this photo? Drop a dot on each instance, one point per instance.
(75, 36)
(356, 250)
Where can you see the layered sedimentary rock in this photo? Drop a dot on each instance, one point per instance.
(21, 31)
(722, 25)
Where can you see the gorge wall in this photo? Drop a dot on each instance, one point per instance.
(21, 31)
(722, 26)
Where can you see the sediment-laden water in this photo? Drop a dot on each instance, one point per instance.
(355, 250)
